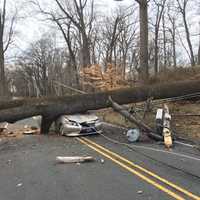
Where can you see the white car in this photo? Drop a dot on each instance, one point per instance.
(78, 125)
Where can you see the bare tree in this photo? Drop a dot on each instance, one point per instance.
(182, 6)
(35, 65)
(69, 33)
(143, 12)
(172, 30)
(164, 41)
(38, 67)
(198, 56)
(160, 5)
(6, 37)
(110, 35)
(113, 38)
(76, 12)
(68, 37)
(127, 38)
(143, 15)
(77, 15)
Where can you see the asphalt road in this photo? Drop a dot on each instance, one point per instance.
(28, 170)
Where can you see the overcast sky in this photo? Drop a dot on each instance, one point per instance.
(31, 28)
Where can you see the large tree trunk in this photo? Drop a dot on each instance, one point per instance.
(144, 69)
(51, 108)
(86, 62)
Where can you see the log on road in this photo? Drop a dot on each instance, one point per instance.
(51, 108)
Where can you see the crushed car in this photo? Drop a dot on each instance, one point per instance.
(78, 125)
(75, 125)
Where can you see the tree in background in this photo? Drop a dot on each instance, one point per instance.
(182, 7)
(160, 5)
(143, 15)
(6, 39)
(198, 56)
(172, 28)
(76, 12)
(38, 67)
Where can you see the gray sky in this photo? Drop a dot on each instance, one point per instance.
(32, 28)
(35, 28)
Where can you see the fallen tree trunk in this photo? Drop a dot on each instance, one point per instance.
(141, 125)
(51, 108)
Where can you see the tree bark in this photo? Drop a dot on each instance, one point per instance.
(156, 52)
(85, 50)
(2, 71)
(164, 43)
(2, 61)
(144, 69)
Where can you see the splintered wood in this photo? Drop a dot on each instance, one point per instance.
(93, 79)
(74, 159)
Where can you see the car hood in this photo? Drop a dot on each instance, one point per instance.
(80, 118)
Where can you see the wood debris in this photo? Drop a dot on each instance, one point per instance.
(93, 78)
(18, 131)
(31, 132)
(74, 159)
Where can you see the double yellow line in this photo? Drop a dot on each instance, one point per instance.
(141, 172)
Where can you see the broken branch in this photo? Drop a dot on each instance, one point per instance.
(121, 110)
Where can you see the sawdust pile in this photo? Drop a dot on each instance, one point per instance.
(93, 79)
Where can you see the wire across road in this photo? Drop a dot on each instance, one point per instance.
(171, 189)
